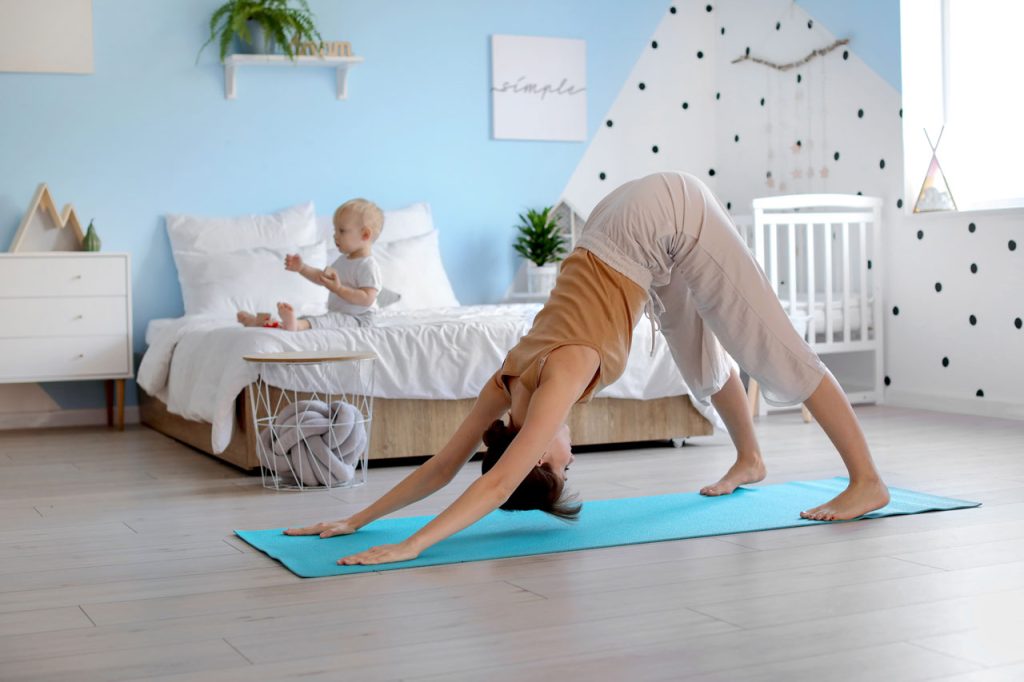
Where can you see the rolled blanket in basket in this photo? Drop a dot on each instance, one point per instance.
(315, 443)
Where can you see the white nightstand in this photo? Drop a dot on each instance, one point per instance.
(524, 297)
(67, 316)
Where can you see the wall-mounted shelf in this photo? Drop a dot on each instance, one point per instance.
(341, 64)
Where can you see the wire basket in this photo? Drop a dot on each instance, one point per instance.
(313, 412)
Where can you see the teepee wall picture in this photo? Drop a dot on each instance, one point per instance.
(43, 229)
(934, 194)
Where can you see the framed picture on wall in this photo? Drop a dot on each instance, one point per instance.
(46, 36)
(538, 88)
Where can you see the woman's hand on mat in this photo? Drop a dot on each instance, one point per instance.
(326, 529)
(382, 554)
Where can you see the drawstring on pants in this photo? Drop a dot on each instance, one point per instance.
(653, 309)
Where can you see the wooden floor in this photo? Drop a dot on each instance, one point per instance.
(117, 562)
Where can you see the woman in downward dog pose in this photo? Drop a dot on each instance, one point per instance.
(664, 243)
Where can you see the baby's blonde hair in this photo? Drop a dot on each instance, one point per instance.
(372, 216)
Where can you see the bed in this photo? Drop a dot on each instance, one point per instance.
(433, 354)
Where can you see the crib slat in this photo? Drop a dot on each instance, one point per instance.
(863, 281)
(792, 230)
(846, 282)
(810, 258)
(829, 328)
(773, 255)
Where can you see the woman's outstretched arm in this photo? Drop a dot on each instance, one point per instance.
(432, 475)
(564, 380)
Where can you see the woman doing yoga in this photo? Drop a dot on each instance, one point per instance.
(664, 243)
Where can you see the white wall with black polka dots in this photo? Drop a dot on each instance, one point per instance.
(954, 283)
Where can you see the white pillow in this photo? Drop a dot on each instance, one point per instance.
(412, 221)
(253, 280)
(413, 269)
(286, 229)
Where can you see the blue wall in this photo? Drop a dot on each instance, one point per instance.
(150, 132)
(873, 27)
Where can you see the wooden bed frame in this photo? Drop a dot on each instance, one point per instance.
(409, 428)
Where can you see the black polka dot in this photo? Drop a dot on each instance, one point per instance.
(860, 194)
(609, 123)
(901, 112)
(735, 138)
(971, 228)
(888, 381)
(762, 101)
(945, 362)
(980, 393)
(708, 8)
(810, 23)
(686, 105)
(768, 174)
(836, 156)
(778, 25)
(938, 286)
(642, 86)
(723, 30)
(700, 55)
(974, 268)
(899, 203)
(711, 171)
(860, 113)
(654, 149)
(846, 54)
(728, 205)
(895, 310)
(718, 95)
(672, 9)
(602, 176)
(654, 44)
(920, 234)
(748, 52)
(869, 265)
(881, 163)
(1018, 323)
(799, 78)
(799, 143)
(973, 320)
(1012, 245)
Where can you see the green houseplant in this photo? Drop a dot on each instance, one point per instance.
(262, 24)
(542, 243)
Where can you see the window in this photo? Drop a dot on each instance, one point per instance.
(962, 66)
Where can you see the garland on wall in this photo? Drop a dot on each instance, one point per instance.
(820, 52)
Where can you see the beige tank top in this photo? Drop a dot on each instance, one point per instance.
(591, 305)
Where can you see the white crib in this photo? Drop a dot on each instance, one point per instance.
(822, 255)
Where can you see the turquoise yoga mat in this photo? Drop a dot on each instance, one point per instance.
(602, 523)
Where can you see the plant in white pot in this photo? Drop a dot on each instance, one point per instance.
(262, 26)
(542, 244)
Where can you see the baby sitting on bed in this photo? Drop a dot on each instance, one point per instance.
(354, 280)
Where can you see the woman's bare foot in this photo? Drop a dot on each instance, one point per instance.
(288, 319)
(858, 499)
(745, 470)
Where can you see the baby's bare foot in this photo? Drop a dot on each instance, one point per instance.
(747, 470)
(858, 499)
(287, 313)
(247, 319)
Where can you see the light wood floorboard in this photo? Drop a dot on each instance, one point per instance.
(117, 562)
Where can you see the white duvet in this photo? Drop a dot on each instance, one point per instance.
(195, 366)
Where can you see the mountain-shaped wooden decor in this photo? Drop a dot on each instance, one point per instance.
(43, 229)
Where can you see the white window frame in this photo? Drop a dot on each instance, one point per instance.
(924, 43)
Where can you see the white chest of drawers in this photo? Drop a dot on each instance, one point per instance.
(66, 316)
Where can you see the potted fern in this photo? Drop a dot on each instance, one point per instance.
(542, 244)
(262, 26)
